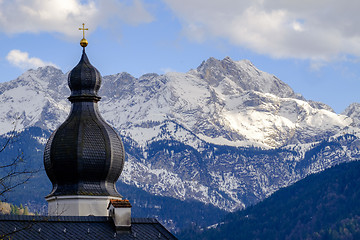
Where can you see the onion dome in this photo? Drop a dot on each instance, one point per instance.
(84, 81)
(84, 156)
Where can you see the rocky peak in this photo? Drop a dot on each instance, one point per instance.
(148, 76)
(353, 111)
(43, 73)
(46, 71)
(46, 78)
(242, 74)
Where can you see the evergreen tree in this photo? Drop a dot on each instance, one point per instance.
(26, 211)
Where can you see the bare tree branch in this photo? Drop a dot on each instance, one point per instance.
(13, 172)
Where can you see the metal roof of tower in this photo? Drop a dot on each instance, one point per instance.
(84, 156)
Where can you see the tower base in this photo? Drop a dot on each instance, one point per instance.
(78, 205)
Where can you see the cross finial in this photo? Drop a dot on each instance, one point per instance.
(83, 41)
(83, 29)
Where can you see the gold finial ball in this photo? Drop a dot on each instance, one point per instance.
(83, 42)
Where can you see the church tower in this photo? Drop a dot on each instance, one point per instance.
(84, 157)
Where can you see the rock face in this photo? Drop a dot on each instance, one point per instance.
(225, 133)
(222, 102)
(353, 111)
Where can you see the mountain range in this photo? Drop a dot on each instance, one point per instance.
(224, 134)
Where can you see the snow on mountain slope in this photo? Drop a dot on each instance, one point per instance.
(196, 135)
(242, 75)
(353, 111)
(223, 102)
(34, 99)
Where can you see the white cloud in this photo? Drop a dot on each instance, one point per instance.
(297, 26)
(319, 30)
(22, 60)
(63, 16)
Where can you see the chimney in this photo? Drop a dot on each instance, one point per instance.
(120, 212)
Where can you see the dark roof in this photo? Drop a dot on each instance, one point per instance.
(84, 80)
(84, 156)
(67, 227)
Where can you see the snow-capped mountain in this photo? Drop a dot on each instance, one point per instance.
(222, 102)
(225, 133)
(36, 98)
(353, 111)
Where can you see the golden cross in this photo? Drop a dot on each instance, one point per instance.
(83, 29)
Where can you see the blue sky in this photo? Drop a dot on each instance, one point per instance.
(314, 46)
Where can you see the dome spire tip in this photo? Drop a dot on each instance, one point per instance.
(83, 41)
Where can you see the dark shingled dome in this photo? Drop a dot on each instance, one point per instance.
(84, 156)
(84, 80)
